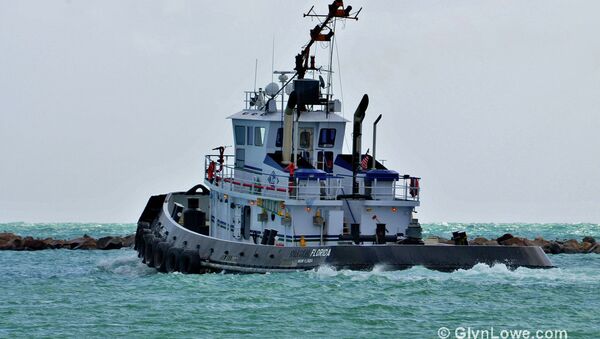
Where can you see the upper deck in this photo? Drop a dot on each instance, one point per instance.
(308, 116)
(305, 184)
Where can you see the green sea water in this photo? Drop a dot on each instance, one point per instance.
(83, 294)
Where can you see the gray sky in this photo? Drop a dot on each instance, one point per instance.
(495, 104)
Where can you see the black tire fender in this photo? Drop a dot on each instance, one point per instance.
(172, 260)
(138, 239)
(160, 255)
(148, 254)
(140, 245)
(189, 262)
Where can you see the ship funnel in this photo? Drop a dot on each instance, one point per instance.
(375, 140)
(288, 124)
(359, 116)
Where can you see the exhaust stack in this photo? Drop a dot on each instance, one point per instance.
(288, 123)
(359, 116)
(375, 140)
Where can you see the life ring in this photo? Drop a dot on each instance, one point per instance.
(210, 172)
(414, 187)
(160, 255)
(189, 262)
(172, 261)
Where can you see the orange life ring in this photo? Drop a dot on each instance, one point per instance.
(414, 187)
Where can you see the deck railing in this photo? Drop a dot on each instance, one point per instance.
(226, 174)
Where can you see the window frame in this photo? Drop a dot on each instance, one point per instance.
(259, 132)
(310, 139)
(327, 145)
(240, 141)
(250, 135)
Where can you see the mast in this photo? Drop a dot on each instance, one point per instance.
(321, 32)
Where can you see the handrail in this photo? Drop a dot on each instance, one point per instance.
(322, 189)
(317, 189)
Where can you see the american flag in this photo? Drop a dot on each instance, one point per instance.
(365, 160)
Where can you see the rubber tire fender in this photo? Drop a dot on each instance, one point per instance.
(139, 245)
(189, 262)
(140, 242)
(172, 260)
(148, 254)
(160, 255)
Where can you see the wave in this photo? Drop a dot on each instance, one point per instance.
(127, 264)
(478, 274)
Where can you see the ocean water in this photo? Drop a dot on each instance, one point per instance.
(62, 293)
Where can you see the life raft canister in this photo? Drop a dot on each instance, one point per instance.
(210, 172)
(414, 187)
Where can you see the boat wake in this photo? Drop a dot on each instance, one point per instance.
(479, 274)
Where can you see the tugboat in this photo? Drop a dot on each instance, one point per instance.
(289, 199)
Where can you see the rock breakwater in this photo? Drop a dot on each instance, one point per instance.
(13, 242)
(572, 246)
(10, 241)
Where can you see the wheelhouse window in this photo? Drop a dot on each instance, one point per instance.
(250, 136)
(327, 137)
(306, 135)
(240, 135)
(240, 157)
(259, 136)
(325, 161)
(279, 138)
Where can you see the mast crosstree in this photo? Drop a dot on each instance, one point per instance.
(321, 32)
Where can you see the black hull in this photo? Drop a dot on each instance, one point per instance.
(162, 243)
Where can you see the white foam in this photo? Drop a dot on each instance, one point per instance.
(480, 273)
(126, 263)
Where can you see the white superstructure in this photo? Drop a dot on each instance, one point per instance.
(253, 191)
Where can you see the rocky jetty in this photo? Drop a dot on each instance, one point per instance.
(10, 241)
(587, 245)
(13, 242)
